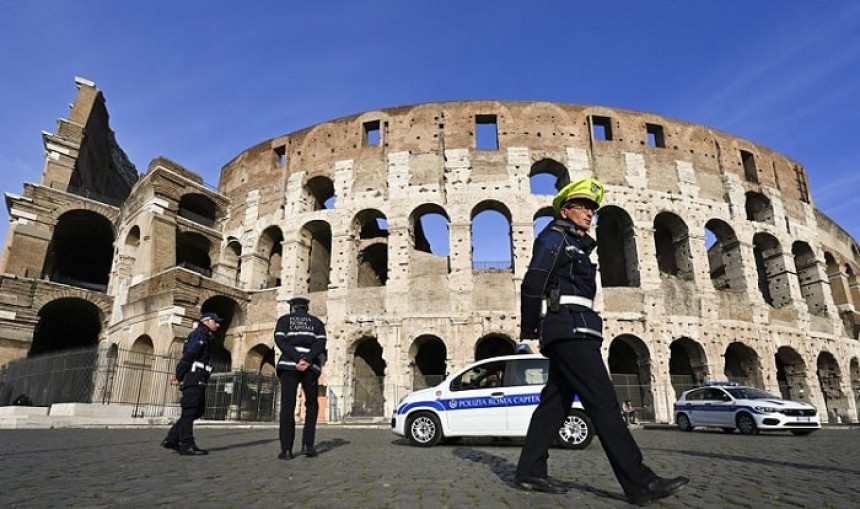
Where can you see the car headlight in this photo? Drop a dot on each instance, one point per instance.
(766, 409)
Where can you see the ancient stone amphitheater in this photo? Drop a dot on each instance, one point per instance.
(714, 261)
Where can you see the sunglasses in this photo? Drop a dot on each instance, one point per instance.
(580, 206)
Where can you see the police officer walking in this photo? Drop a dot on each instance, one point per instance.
(557, 308)
(301, 338)
(192, 375)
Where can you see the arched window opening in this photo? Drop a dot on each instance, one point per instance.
(430, 238)
(772, 273)
(492, 248)
(66, 324)
(320, 192)
(743, 365)
(672, 242)
(791, 374)
(233, 261)
(371, 233)
(548, 177)
(759, 208)
(630, 369)
(493, 345)
(809, 278)
(269, 252)
(81, 251)
(369, 379)
(724, 256)
(315, 250)
(688, 365)
(618, 267)
(198, 208)
(429, 365)
(192, 253)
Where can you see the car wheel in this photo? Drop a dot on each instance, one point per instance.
(424, 429)
(801, 432)
(728, 430)
(746, 424)
(577, 431)
(684, 423)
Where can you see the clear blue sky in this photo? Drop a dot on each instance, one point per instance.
(201, 81)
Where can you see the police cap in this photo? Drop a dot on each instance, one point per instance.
(299, 300)
(211, 315)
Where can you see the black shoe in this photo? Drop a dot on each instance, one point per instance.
(310, 452)
(285, 455)
(192, 451)
(541, 484)
(170, 445)
(195, 448)
(660, 487)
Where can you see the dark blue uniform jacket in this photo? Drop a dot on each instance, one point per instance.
(196, 349)
(560, 260)
(300, 335)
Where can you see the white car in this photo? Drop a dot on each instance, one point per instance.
(749, 410)
(490, 398)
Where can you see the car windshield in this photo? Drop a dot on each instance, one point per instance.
(749, 393)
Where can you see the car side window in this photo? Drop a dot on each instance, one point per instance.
(483, 376)
(695, 395)
(528, 372)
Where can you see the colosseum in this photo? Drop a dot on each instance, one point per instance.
(714, 261)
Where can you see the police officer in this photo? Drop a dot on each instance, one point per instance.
(192, 374)
(301, 338)
(557, 295)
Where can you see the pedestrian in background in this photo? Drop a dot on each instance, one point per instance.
(557, 295)
(629, 412)
(301, 339)
(192, 375)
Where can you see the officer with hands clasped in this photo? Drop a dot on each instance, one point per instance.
(192, 374)
(557, 308)
(301, 339)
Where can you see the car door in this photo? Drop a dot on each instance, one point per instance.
(711, 408)
(525, 379)
(476, 402)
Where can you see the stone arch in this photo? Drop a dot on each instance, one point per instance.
(193, 252)
(368, 381)
(854, 374)
(618, 267)
(65, 324)
(491, 222)
(672, 243)
(759, 208)
(226, 335)
(198, 208)
(314, 253)
(808, 277)
(630, 369)
(269, 252)
(772, 273)
(232, 260)
(493, 345)
(688, 364)
(260, 359)
(791, 374)
(743, 365)
(428, 355)
(724, 256)
(370, 231)
(319, 192)
(426, 257)
(544, 171)
(830, 383)
(138, 384)
(81, 250)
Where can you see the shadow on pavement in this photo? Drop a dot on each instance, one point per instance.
(506, 471)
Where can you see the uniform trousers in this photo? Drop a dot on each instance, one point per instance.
(576, 368)
(290, 381)
(193, 404)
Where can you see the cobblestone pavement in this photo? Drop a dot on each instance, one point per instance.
(370, 467)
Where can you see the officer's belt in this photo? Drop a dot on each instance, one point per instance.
(566, 300)
(198, 364)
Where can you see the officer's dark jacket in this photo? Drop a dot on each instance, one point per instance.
(300, 335)
(560, 260)
(196, 349)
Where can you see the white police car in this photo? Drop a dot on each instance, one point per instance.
(749, 410)
(490, 398)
